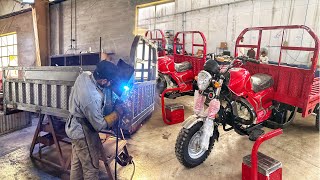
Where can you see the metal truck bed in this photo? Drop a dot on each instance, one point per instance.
(43, 90)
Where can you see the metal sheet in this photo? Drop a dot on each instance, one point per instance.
(52, 76)
(266, 164)
(13, 122)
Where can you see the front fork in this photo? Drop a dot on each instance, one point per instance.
(209, 126)
(208, 117)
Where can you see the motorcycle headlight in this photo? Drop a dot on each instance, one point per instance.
(204, 79)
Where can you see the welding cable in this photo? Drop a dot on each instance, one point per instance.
(134, 169)
(117, 144)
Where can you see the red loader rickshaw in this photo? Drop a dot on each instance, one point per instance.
(176, 72)
(295, 87)
(248, 95)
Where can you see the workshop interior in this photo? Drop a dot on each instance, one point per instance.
(160, 89)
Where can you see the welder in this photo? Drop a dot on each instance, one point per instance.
(86, 119)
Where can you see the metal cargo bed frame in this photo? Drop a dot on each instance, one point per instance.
(46, 90)
(43, 90)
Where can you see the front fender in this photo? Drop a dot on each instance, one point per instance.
(191, 120)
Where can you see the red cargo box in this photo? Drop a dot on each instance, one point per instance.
(175, 113)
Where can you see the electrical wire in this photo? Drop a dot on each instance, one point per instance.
(117, 146)
(75, 24)
(227, 23)
(117, 151)
(134, 169)
(71, 46)
(282, 11)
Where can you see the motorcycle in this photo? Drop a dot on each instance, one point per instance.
(236, 101)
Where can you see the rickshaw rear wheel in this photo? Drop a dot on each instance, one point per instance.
(317, 112)
(317, 121)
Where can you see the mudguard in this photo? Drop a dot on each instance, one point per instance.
(191, 120)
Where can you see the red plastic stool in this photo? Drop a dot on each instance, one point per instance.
(258, 166)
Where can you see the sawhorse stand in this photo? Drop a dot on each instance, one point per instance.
(51, 132)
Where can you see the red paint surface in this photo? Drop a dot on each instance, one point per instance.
(246, 174)
(240, 85)
(175, 116)
(164, 117)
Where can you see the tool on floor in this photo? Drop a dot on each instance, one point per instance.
(258, 166)
(173, 113)
(123, 158)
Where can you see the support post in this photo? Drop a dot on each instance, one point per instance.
(40, 19)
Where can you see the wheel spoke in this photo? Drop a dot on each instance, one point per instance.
(194, 149)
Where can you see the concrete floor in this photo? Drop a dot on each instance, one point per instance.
(153, 150)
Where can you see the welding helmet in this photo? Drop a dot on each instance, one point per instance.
(106, 70)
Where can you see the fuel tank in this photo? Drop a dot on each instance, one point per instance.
(239, 82)
(166, 64)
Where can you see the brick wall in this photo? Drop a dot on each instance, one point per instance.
(22, 25)
(113, 21)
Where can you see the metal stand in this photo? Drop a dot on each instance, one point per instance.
(50, 138)
(254, 153)
(109, 146)
(259, 166)
(47, 135)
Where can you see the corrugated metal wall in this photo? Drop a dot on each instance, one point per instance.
(223, 20)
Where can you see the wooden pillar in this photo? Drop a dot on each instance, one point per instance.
(41, 27)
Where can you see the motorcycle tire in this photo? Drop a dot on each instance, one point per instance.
(182, 143)
(317, 122)
(317, 112)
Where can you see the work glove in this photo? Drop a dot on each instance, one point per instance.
(111, 118)
(118, 113)
(120, 108)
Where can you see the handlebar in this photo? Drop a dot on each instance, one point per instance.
(246, 59)
(243, 59)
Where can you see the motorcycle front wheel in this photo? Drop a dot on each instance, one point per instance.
(188, 150)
